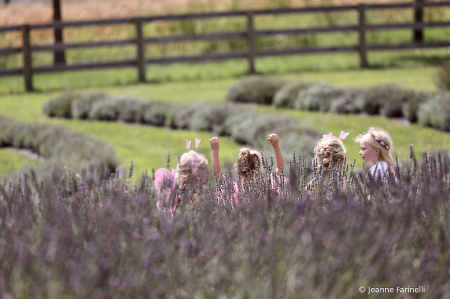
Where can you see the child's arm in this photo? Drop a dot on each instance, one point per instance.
(274, 140)
(215, 155)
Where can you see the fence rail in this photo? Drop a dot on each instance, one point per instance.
(250, 34)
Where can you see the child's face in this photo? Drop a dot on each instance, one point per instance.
(368, 153)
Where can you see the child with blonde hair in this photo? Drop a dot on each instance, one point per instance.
(376, 148)
(332, 152)
(190, 174)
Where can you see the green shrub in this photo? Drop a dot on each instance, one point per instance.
(107, 109)
(57, 145)
(236, 119)
(318, 97)
(395, 97)
(286, 95)
(171, 113)
(411, 108)
(349, 102)
(386, 98)
(443, 76)
(183, 117)
(436, 112)
(256, 89)
(211, 118)
(61, 106)
(129, 109)
(252, 130)
(153, 113)
(82, 105)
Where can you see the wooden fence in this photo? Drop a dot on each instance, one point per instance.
(250, 34)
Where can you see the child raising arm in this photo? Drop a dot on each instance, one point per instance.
(215, 156)
(275, 142)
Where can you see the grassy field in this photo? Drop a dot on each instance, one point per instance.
(148, 147)
(342, 69)
(11, 160)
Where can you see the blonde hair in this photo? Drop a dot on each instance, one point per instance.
(192, 170)
(326, 147)
(247, 162)
(384, 137)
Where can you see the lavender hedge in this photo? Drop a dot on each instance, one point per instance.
(93, 238)
(220, 119)
(58, 146)
(386, 99)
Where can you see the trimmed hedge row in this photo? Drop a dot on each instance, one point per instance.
(426, 108)
(244, 126)
(58, 146)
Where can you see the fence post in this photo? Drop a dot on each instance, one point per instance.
(251, 43)
(59, 56)
(362, 36)
(418, 18)
(140, 59)
(27, 62)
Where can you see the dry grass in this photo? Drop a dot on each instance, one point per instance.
(41, 12)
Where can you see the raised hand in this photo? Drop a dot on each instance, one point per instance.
(215, 155)
(214, 144)
(274, 140)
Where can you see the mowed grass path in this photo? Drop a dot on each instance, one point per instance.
(148, 146)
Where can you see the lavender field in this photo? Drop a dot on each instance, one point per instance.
(79, 236)
(84, 213)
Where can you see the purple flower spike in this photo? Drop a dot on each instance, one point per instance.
(326, 136)
(188, 144)
(197, 143)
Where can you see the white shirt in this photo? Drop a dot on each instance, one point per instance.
(382, 167)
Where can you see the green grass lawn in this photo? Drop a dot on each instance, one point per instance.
(11, 160)
(148, 147)
(405, 67)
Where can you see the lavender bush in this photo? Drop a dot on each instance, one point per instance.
(350, 102)
(56, 145)
(255, 89)
(244, 126)
(286, 95)
(387, 99)
(436, 112)
(153, 113)
(85, 237)
(81, 105)
(411, 108)
(62, 106)
(318, 97)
